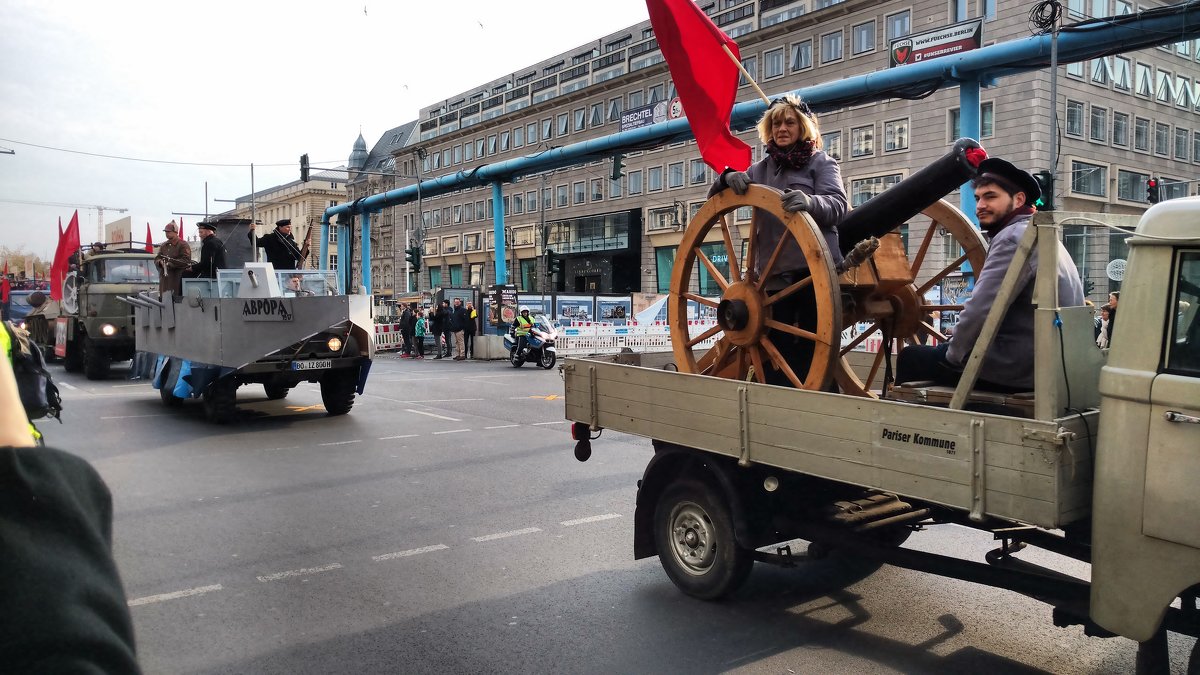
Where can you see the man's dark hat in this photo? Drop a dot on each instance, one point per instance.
(1010, 177)
(208, 226)
(281, 223)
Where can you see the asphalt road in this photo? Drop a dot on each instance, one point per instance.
(445, 527)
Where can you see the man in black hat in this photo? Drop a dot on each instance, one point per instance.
(1004, 197)
(279, 246)
(212, 253)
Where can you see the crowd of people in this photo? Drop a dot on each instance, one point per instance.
(452, 328)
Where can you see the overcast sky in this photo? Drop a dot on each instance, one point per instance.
(234, 83)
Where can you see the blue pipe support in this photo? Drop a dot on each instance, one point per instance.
(498, 232)
(324, 241)
(343, 241)
(968, 120)
(365, 238)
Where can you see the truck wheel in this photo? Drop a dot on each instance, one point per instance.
(169, 398)
(1194, 661)
(96, 361)
(276, 391)
(337, 390)
(693, 532)
(73, 361)
(220, 401)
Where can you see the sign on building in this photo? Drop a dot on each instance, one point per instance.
(945, 41)
(636, 118)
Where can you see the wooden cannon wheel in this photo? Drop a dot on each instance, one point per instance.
(744, 313)
(909, 322)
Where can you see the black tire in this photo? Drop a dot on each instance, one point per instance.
(276, 391)
(337, 390)
(96, 361)
(1193, 667)
(693, 532)
(546, 359)
(1152, 655)
(168, 398)
(220, 401)
(515, 359)
(73, 361)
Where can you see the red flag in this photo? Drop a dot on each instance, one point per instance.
(60, 233)
(705, 78)
(149, 240)
(68, 245)
(4, 285)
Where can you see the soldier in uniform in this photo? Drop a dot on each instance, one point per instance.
(280, 246)
(212, 253)
(174, 257)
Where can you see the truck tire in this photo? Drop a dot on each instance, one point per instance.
(96, 360)
(73, 361)
(220, 401)
(169, 399)
(337, 390)
(276, 391)
(693, 533)
(1194, 662)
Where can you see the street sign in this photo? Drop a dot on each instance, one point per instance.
(943, 41)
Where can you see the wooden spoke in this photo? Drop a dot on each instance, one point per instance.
(781, 363)
(794, 330)
(750, 255)
(735, 269)
(803, 283)
(716, 328)
(875, 366)
(702, 300)
(942, 308)
(756, 358)
(858, 340)
(930, 330)
(942, 275)
(712, 269)
(720, 365)
(766, 271)
(706, 361)
(920, 258)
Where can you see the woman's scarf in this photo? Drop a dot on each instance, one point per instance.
(795, 156)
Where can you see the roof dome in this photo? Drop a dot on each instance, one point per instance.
(358, 157)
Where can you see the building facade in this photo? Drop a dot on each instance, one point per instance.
(1121, 120)
(304, 202)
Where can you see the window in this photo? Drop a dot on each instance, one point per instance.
(750, 63)
(635, 182)
(518, 204)
(1172, 188)
(895, 135)
(899, 24)
(1074, 118)
(1120, 134)
(597, 116)
(773, 64)
(597, 189)
(564, 124)
(579, 194)
(862, 141)
(1183, 92)
(987, 121)
(654, 178)
(698, 172)
(1162, 139)
(1100, 71)
(519, 137)
(564, 197)
(1145, 84)
(1131, 186)
(547, 200)
(636, 99)
(481, 211)
(675, 175)
(491, 140)
(1196, 147)
(1120, 75)
(664, 262)
(1099, 126)
(1141, 134)
(614, 109)
(656, 94)
(472, 242)
(1183, 338)
(614, 189)
(1164, 90)
(832, 142)
(1181, 143)
(547, 129)
(580, 116)
(862, 38)
(959, 9)
(718, 255)
(458, 154)
(435, 277)
(531, 133)
(831, 47)
(802, 55)
(1089, 179)
(863, 189)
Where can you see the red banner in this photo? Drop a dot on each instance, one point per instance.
(68, 245)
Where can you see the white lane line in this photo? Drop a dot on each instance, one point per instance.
(409, 552)
(589, 519)
(440, 417)
(388, 438)
(129, 417)
(341, 442)
(539, 424)
(70, 386)
(503, 535)
(452, 431)
(503, 426)
(299, 573)
(122, 386)
(177, 594)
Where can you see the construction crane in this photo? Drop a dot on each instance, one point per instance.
(98, 209)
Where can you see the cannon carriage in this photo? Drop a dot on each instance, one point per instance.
(877, 284)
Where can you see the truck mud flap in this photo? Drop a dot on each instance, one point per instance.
(363, 370)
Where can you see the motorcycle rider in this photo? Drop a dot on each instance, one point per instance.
(521, 327)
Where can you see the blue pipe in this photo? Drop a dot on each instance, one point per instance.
(365, 234)
(498, 232)
(968, 120)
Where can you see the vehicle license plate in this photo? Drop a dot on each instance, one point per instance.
(317, 364)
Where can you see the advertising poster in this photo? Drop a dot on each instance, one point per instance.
(501, 304)
(537, 304)
(573, 308)
(614, 310)
(943, 41)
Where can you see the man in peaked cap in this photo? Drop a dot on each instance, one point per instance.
(279, 245)
(174, 256)
(1004, 197)
(212, 253)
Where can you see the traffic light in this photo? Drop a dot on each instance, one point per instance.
(1045, 181)
(555, 264)
(413, 255)
(1088, 287)
(1152, 191)
(304, 168)
(547, 257)
(618, 166)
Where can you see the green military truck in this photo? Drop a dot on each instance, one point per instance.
(1099, 463)
(90, 328)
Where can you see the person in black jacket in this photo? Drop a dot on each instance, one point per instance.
(279, 246)
(440, 314)
(458, 324)
(406, 332)
(469, 330)
(212, 253)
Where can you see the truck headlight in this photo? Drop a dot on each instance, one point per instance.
(108, 330)
(334, 344)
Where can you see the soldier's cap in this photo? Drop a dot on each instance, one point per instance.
(171, 227)
(1009, 177)
(281, 223)
(208, 226)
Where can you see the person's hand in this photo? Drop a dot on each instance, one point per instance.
(739, 181)
(795, 201)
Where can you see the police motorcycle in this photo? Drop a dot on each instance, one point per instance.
(539, 344)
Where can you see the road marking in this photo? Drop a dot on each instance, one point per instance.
(177, 594)
(540, 424)
(504, 426)
(503, 535)
(452, 431)
(122, 386)
(440, 417)
(129, 417)
(549, 397)
(70, 386)
(306, 408)
(590, 519)
(341, 442)
(410, 552)
(388, 438)
(299, 573)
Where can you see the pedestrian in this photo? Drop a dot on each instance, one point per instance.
(1105, 330)
(406, 351)
(279, 245)
(469, 330)
(419, 328)
(212, 253)
(174, 256)
(1112, 313)
(439, 328)
(458, 326)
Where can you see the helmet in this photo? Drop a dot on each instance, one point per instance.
(523, 309)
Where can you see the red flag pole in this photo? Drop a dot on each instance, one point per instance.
(745, 73)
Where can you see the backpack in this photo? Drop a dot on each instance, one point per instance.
(39, 394)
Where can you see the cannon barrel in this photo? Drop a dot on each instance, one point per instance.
(891, 208)
(136, 302)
